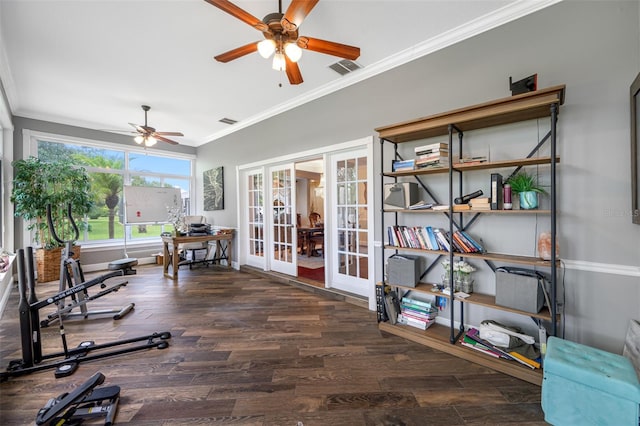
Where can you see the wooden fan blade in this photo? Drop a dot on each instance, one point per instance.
(237, 53)
(295, 14)
(241, 14)
(139, 129)
(168, 133)
(163, 139)
(293, 71)
(329, 47)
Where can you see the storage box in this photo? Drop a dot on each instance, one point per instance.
(587, 386)
(195, 255)
(400, 195)
(518, 291)
(403, 270)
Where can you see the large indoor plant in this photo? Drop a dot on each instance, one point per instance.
(527, 187)
(38, 183)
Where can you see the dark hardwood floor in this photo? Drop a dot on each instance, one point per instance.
(250, 350)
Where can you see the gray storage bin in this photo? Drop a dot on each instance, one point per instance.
(403, 270)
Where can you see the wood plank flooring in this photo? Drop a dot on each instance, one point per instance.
(250, 350)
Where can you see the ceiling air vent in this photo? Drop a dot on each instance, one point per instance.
(344, 66)
(228, 121)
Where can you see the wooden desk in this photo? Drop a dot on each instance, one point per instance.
(174, 259)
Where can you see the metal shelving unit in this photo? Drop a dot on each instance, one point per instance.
(528, 106)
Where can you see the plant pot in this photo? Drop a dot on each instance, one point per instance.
(48, 263)
(528, 200)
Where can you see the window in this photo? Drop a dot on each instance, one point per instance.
(110, 168)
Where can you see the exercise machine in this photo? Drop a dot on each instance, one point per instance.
(71, 275)
(87, 402)
(67, 361)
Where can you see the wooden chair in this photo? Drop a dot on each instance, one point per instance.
(314, 219)
(316, 239)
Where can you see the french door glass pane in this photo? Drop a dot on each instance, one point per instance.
(256, 216)
(351, 221)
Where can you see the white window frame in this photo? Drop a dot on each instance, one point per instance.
(30, 140)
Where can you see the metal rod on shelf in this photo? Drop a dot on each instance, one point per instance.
(554, 117)
(452, 337)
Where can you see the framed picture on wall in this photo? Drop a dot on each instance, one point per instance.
(213, 188)
(635, 150)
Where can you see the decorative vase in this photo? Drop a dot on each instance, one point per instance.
(528, 200)
(467, 284)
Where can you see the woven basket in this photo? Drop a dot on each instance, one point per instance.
(48, 263)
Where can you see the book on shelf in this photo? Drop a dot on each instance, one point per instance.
(433, 242)
(474, 334)
(443, 243)
(480, 201)
(480, 207)
(461, 207)
(418, 302)
(422, 325)
(437, 155)
(470, 343)
(420, 205)
(473, 160)
(428, 149)
(496, 191)
(400, 165)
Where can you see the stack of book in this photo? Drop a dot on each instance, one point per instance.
(480, 203)
(403, 165)
(433, 155)
(463, 243)
(472, 340)
(417, 313)
(417, 237)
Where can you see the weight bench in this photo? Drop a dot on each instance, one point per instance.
(126, 265)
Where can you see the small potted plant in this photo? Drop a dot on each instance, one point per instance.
(527, 188)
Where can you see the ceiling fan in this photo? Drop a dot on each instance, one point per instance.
(148, 136)
(281, 37)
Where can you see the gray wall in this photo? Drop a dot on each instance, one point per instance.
(593, 48)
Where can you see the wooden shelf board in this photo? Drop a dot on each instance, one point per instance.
(508, 258)
(526, 106)
(480, 166)
(480, 299)
(516, 211)
(438, 337)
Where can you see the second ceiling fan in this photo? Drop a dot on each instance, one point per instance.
(281, 37)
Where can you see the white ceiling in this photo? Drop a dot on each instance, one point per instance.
(92, 63)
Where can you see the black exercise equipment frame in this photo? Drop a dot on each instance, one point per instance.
(71, 270)
(32, 357)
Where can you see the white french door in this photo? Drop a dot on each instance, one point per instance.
(282, 202)
(351, 238)
(255, 217)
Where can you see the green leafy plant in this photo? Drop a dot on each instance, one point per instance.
(39, 183)
(524, 182)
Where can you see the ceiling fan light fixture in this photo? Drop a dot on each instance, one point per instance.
(150, 141)
(279, 63)
(138, 139)
(294, 53)
(266, 48)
